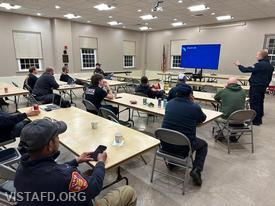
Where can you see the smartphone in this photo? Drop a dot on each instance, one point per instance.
(99, 149)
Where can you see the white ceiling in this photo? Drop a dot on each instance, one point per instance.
(126, 11)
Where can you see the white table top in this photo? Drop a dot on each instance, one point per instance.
(12, 90)
(110, 82)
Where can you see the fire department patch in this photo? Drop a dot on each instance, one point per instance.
(78, 183)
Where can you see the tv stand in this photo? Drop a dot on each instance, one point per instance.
(197, 75)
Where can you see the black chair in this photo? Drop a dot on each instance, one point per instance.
(108, 114)
(90, 107)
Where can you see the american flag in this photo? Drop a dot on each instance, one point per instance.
(163, 61)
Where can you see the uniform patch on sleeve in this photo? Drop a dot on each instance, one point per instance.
(78, 183)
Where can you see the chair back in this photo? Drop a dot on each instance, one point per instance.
(141, 94)
(106, 113)
(241, 117)
(113, 119)
(90, 107)
(172, 137)
(6, 173)
(32, 100)
(16, 85)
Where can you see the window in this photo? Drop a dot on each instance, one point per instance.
(129, 61)
(88, 58)
(28, 50)
(129, 52)
(175, 61)
(270, 45)
(25, 64)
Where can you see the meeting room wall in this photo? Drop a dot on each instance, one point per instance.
(238, 42)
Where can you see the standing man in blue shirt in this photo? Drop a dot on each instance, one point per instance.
(183, 115)
(261, 76)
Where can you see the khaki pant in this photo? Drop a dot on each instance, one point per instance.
(122, 196)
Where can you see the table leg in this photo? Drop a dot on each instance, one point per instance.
(16, 103)
(118, 179)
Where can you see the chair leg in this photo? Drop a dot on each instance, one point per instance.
(143, 159)
(153, 166)
(252, 140)
(185, 176)
(228, 141)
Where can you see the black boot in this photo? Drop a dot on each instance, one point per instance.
(196, 176)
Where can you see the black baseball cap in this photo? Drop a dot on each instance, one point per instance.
(184, 90)
(38, 133)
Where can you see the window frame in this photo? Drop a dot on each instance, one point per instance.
(133, 61)
(27, 70)
(81, 59)
(172, 61)
(267, 46)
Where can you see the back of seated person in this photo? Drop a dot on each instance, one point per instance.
(148, 90)
(65, 77)
(231, 98)
(98, 90)
(43, 89)
(173, 91)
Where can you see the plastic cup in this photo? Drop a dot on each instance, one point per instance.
(94, 125)
(36, 107)
(6, 89)
(118, 137)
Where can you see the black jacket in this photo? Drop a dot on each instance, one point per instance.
(261, 73)
(45, 85)
(7, 123)
(45, 175)
(31, 80)
(66, 78)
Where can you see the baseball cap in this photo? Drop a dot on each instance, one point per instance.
(38, 133)
(184, 90)
(181, 77)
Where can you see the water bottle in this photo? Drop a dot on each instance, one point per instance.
(159, 102)
(164, 103)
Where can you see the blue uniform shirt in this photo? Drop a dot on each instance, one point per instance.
(45, 175)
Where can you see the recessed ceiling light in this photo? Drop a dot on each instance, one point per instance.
(114, 23)
(72, 16)
(144, 28)
(179, 23)
(139, 10)
(213, 14)
(200, 7)
(148, 17)
(57, 7)
(175, 19)
(88, 21)
(38, 14)
(110, 17)
(224, 18)
(104, 7)
(9, 6)
(180, 1)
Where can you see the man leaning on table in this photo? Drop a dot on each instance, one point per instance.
(38, 174)
(261, 76)
(183, 115)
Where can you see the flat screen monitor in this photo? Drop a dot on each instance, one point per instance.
(203, 56)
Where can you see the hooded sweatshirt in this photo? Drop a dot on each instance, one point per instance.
(232, 98)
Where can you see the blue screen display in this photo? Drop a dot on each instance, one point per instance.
(204, 56)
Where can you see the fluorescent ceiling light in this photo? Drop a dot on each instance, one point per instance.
(139, 10)
(72, 16)
(144, 28)
(110, 17)
(57, 7)
(200, 7)
(224, 18)
(114, 23)
(175, 19)
(213, 13)
(88, 21)
(180, 1)
(148, 17)
(9, 6)
(104, 7)
(179, 23)
(38, 14)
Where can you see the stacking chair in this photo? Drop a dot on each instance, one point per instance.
(108, 114)
(239, 123)
(8, 157)
(90, 107)
(210, 89)
(175, 138)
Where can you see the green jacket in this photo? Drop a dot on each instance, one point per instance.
(232, 98)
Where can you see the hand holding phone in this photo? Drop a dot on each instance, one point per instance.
(99, 149)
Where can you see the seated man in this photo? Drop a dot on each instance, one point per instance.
(173, 91)
(231, 99)
(43, 89)
(38, 174)
(32, 78)
(148, 90)
(65, 77)
(183, 115)
(97, 91)
(12, 124)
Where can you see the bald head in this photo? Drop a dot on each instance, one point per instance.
(50, 70)
(262, 54)
(232, 80)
